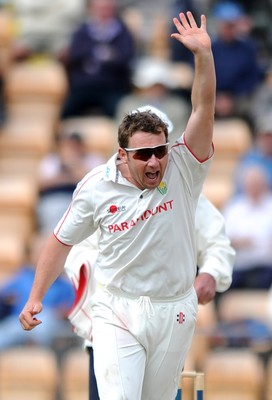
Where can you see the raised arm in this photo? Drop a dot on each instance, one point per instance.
(199, 130)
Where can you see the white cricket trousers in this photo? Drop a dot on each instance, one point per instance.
(140, 344)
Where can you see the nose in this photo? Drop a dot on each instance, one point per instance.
(153, 160)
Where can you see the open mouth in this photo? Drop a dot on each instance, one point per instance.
(152, 175)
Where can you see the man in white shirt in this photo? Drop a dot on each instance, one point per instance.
(144, 203)
(249, 227)
(215, 258)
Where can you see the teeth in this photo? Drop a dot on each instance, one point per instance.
(151, 175)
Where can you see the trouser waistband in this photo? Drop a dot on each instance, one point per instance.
(122, 293)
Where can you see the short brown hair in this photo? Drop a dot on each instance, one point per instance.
(135, 121)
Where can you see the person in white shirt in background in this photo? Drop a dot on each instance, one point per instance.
(215, 254)
(248, 217)
(154, 81)
(58, 173)
(44, 27)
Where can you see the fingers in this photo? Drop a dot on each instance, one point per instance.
(27, 319)
(186, 22)
(191, 20)
(205, 300)
(178, 26)
(181, 24)
(203, 22)
(28, 322)
(205, 289)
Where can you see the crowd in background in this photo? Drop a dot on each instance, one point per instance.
(117, 56)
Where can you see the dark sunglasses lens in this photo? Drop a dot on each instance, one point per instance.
(160, 152)
(143, 154)
(146, 154)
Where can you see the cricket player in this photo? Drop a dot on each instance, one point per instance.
(215, 259)
(143, 201)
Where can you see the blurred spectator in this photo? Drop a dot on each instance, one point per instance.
(258, 15)
(248, 218)
(3, 111)
(153, 83)
(181, 53)
(238, 70)
(260, 154)
(99, 62)
(58, 174)
(44, 27)
(13, 295)
(261, 104)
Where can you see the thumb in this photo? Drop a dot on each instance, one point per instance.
(37, 308)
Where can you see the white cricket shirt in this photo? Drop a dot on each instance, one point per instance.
(147, 245)
(215, 255)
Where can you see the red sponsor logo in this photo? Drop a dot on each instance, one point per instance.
(126, 225)
(180, 317)
(113, 209)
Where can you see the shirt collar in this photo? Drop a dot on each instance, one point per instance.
(111, 171)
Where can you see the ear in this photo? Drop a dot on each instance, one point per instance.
(122, 154)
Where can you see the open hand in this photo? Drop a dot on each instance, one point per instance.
(193, 37)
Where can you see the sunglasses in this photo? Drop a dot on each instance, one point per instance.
(145, 153)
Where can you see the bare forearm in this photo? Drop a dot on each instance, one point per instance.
(203, 106)
(204, 84)
(49, 267)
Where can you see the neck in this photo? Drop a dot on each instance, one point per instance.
(123, 168)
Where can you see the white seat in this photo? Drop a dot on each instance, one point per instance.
(26, 136)
(74, 381)
(232, 138)
(28, 373)
(243, 304)
(233, 375)
(43, 79)
(12, 252)
(100, 133)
